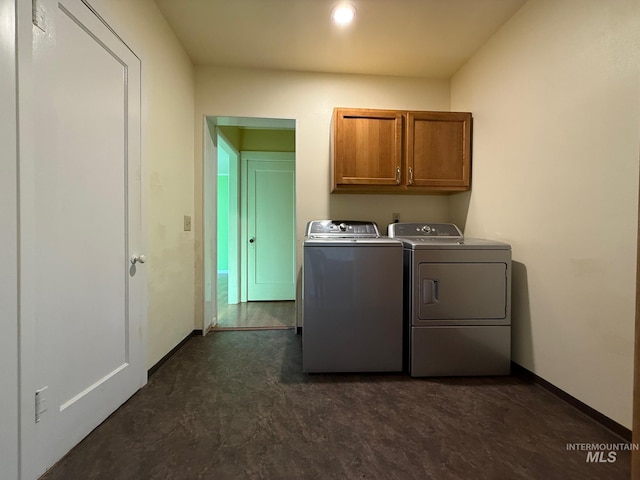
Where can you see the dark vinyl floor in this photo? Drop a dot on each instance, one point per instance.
(236, 405)
(252, 315)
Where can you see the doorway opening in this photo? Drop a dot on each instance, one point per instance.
(251, 215)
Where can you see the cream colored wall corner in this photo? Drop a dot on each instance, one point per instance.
(555, 96)
(168, 126)
(309, 98)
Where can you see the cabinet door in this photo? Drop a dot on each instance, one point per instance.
(367, 147)
(439, 150)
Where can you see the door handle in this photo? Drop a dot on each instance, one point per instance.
(138, 259)
(252, 239)
(398, 176)
(429, 291)
(410, 176)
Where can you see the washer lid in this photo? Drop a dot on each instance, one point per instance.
(341, 229)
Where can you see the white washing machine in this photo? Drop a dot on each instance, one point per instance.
(352, 299)
(457, 301)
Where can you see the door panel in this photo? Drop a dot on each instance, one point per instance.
(439, 149)
(460, 350)
(271, 231)
(352, 312)
(367, 147)
(87, 297)
(459, 291)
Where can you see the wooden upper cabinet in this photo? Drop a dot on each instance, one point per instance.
(439, 150)
(389, 151)
(367, 148)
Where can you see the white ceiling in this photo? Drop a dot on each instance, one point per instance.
(423, 38)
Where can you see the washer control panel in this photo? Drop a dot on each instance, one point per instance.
(431, 230)
(341, 228)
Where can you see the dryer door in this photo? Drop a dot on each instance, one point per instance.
(460, 293)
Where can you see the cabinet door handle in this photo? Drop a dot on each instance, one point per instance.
(397, 175)
(410, 176)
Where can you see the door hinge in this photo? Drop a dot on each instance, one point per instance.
(37, 14)
(41, 403)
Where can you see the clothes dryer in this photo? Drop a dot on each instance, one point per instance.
(457, 301)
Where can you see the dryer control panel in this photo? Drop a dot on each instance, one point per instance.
(437, 230)
(341, 229)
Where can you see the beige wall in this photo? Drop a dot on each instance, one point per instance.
(555, 96)
(168, 96)
(309, 98)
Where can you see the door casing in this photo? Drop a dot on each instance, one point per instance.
(9, 328)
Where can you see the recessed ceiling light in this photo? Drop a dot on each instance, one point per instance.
(343, 14)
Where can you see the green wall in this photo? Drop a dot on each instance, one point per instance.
(233, 136)
(223, 210)
(268, 140)
(243, 139)
(260, 139)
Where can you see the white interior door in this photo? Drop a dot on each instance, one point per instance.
(270, 227)
(82, 223)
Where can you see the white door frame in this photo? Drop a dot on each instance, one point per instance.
(204, 221)
(27, 322)
(209, 232)
(9, 400)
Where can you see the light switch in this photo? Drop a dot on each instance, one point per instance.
(187, 223)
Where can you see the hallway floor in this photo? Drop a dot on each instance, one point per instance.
(252, 315)
(236, 405)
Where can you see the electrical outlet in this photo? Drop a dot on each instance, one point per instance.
(395, 217)
(187, 223)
